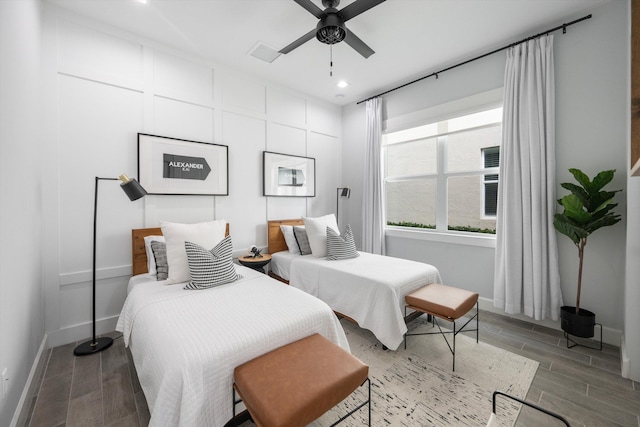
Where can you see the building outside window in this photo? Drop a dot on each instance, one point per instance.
(444, 176)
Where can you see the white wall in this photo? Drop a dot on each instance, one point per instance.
(591, 130)
(21, 295)
(631, 349)
(102, 87)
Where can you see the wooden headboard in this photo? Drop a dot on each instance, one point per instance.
(275, 238)
(138, 251)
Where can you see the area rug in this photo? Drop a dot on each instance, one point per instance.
(416, 386)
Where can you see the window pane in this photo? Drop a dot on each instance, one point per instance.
(412, 203)
(465, 208)
(409, 134)
(465, 149)
(490, 198)
(482, 118)
(491, 157)
(412, 158)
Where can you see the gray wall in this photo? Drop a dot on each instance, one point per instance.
(21, 294)
(591, 130)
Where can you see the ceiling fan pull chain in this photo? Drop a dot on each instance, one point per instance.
(330, 60)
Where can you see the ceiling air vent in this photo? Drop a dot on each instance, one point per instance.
(264, 52)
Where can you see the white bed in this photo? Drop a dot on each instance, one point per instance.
(369, 289)
(185, 344)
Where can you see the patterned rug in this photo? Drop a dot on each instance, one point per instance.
(416, 386)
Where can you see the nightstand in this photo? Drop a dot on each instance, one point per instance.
(257, 264)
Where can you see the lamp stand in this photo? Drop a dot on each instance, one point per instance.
(94, 345)
(134, 191)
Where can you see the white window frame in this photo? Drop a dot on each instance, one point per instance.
(477, 103)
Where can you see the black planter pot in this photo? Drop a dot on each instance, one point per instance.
(579, 325)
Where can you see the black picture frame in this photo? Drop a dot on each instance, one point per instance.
(172, 166)
(286, 175)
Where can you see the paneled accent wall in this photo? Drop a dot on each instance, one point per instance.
(105, 86)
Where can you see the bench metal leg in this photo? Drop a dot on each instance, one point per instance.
(353, 411)
(452, 346)
(531, 405)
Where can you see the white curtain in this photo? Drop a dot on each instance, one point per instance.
(373, 201)
(527, 278)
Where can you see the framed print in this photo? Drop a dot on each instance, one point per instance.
(178, 166)
(288, 176)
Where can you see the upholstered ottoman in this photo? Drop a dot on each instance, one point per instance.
(297, 383)
(447, 303)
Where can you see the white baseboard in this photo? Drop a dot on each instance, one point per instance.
(624, 360)
(609, 335)
(27, 386)
(81, 332)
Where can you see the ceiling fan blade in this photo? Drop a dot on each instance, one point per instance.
(311, 8)
(302, 40)
(360, 46)
(357, 7)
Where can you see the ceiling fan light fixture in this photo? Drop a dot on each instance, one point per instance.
(331, 29)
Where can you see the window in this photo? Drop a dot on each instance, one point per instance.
(491, 159)
(444, 175)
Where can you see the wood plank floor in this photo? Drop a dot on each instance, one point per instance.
(582, 384)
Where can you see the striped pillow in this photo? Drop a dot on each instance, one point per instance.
(303, 240)
(341, 247)
(210, 268)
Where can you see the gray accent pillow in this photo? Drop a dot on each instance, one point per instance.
(160, 254)
(341, 246)
(303, 240)
(209, 268)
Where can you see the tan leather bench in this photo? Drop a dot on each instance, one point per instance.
(295, 384)
(444, 302)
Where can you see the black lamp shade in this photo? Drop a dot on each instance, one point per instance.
(133, 189)
(346, 192)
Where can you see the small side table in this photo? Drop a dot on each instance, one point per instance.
(257, 264)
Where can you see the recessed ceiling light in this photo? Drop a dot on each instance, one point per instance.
(342, 84)
(142, 1)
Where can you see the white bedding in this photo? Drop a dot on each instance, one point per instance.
(185, 344)
(281, 263)
(370, 288)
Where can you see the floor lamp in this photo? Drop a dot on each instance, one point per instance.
(341, 192)
(134, 191)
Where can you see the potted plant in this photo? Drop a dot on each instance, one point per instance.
(587, 208)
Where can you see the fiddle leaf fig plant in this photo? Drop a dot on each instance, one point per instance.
(586, 209)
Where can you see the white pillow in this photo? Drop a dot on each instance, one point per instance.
(290, 239)
(151, 259)
(317, 233)
(205, 234)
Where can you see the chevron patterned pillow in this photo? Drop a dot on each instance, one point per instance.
(341, 247)
(209, 268)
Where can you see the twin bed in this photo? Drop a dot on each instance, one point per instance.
(185, 343)
(369, 289)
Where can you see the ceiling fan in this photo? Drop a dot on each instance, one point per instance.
(331, 28)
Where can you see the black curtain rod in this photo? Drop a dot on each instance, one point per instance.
(562, 27)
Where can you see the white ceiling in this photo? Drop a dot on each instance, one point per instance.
(411, 38)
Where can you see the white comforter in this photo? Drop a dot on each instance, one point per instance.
(185, 344)
(370, 289)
